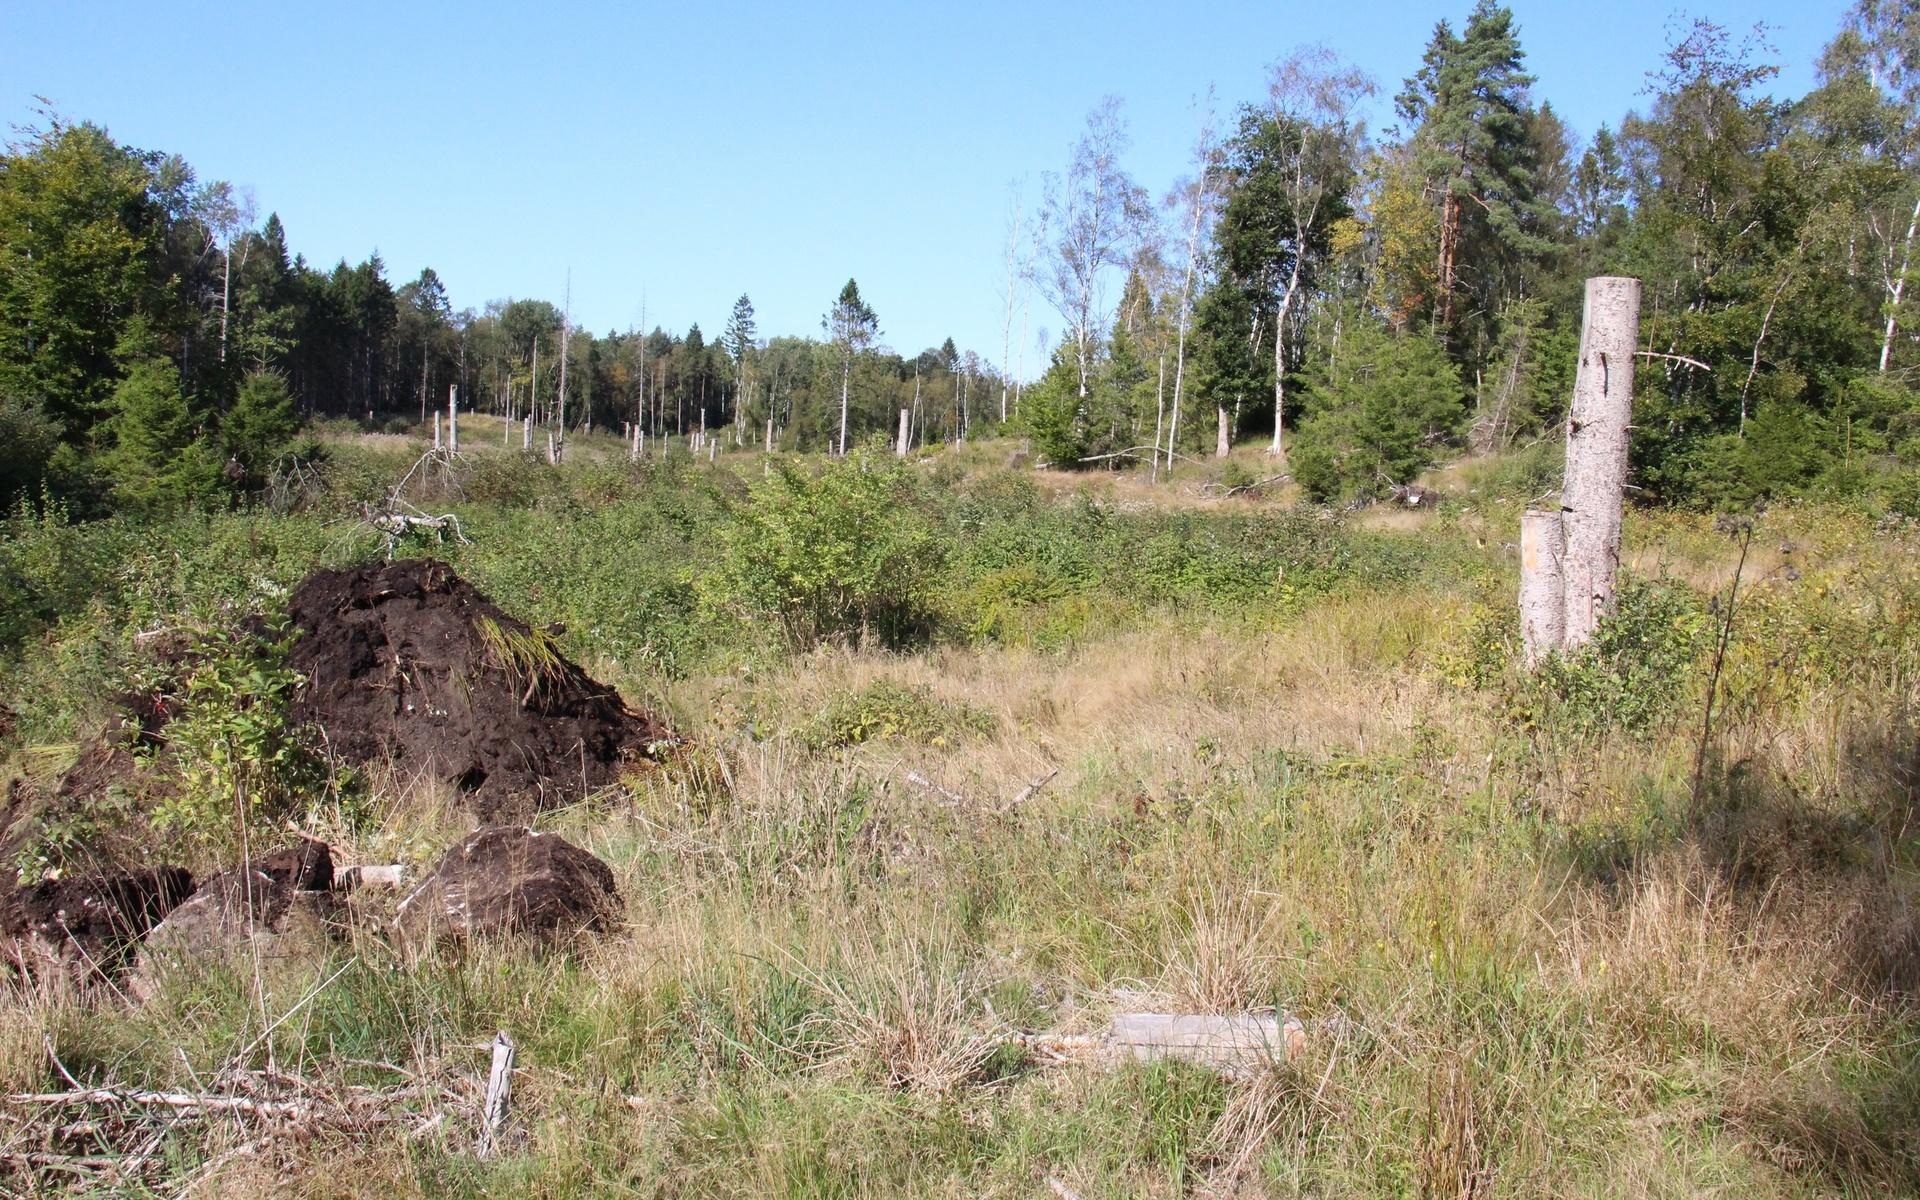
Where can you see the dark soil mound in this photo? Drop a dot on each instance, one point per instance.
(406, 660)
(505, 881)
(86, 925)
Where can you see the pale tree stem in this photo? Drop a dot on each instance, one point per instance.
(1899, 286)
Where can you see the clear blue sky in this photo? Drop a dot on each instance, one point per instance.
(694, 152)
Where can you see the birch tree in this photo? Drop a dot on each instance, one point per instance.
(1312, 99)
(1195, 200)
(1016, 271)
(1090, 216)
(227, 214)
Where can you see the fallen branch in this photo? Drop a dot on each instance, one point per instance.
(1031, 790)
(1209, 489)
(921, 781)
(1230, 1043)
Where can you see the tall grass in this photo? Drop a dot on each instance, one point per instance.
(1295, 768)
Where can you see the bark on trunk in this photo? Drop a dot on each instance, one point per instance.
(453, 419)
(901, 443)
(1223, 439)
(1597, 425)
(1543, 614)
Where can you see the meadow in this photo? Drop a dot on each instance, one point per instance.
(978, 751)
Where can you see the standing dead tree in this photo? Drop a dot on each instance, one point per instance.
(1573, 555)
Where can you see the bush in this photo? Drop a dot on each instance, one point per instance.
(1052, 411)
(1637, 672)
(884, 710)
(237, 755)
(844, 553)
(1376, 415)
(27, 441)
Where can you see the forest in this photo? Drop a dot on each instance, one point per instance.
(1395, 673)
(1378, 297)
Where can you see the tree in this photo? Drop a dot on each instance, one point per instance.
(1094, 212)
(1376, 412)
(1471, 114)
(1290, 171)
(79, 240)
(1871, 74)
(227, 214)
(852, 325)
(159, 457)
(260, 425)
(738, 341)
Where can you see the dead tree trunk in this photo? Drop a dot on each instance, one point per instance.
(1543, 604)
(1223, 439)
(900, 447)
(1592, 497)
(453, 419)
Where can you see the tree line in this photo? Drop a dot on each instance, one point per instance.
(158, 343)
(1362, 302)
(1365, 302)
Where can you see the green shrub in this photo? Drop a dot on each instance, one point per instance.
(843, 553)
(885, 711)
(1640, 669)
(239, 758)
(1376, 415)
(1054, 415)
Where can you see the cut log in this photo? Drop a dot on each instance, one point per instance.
(1230, 1042)
(1597, 424)
(1543, 616)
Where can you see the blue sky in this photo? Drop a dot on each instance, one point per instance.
(683, 154)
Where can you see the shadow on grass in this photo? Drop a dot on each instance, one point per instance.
(1837, 865)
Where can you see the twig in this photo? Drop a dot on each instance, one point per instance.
(1719, 659)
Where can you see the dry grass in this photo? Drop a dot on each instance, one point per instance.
(1530, 963)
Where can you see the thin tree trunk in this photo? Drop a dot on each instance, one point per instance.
(1899, 286)
(1223, 438)
(846, 379)
(453, 418)
(1280, 359)
(1159, 419)
(901, 445)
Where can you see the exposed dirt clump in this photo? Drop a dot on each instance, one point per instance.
(279, 904)
(85, 926)
(507, 881)
(407, 661)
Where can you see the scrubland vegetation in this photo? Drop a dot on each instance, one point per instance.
(1176, 670)
(1546, 939)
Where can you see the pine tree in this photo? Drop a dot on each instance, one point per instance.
(1472, 117)
(159, 458)
(260, 425)
(852, 325)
